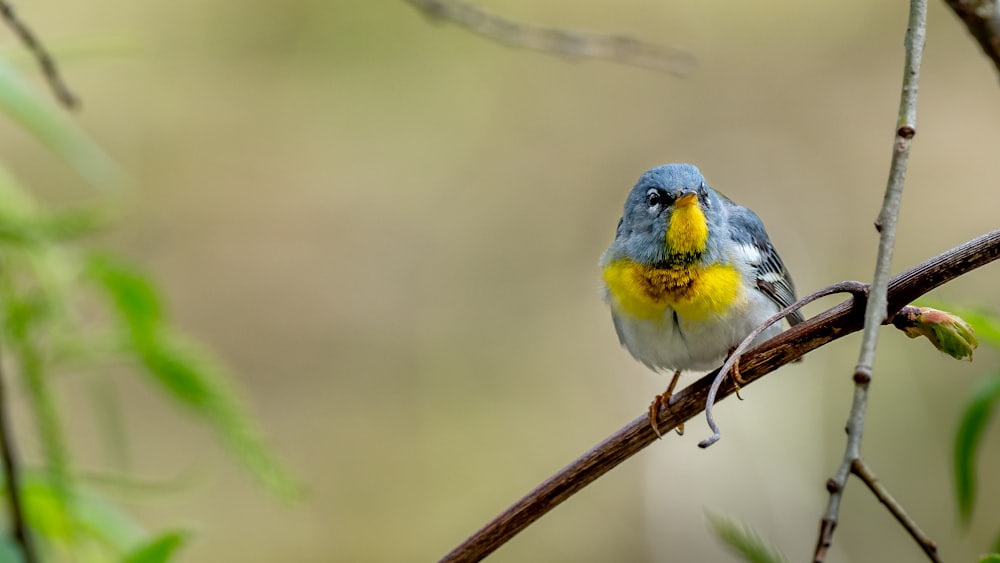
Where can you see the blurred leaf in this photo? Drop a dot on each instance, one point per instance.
(744, 541)
(49, 228)
(187, 372)
(158, 550)
(53, 128)
(89, 518)
(990, 558)
(970, 431)
(23, 316)
(133, 296)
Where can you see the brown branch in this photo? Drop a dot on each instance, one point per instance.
(49, 69)
(855, 288)
(982, 19)
(788, 346)
(572, 44)
(862, 471)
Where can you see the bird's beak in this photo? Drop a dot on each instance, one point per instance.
(690, 198)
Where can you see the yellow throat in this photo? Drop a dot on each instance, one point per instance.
(691, 289)
(688, 230)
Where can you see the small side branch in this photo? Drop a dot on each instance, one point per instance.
(860, 469)
(566, 43)
(45, 61)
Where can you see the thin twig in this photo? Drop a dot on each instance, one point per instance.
(11, 471)
(788, 346)
(876, 311)
(853, 287)
(49, 69)
(861, 469)
(566, 43)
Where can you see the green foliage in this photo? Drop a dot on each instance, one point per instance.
(744, 541)
(186, 372)
(978, 411)
(49, 124)
(47, 281)
(976, 416)
(158, 550)
(990, 558)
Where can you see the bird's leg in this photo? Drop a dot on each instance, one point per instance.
(664, 400)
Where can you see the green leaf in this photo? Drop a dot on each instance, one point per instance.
(89, 519)
(24, 317)
(193, 377)
(185, 371)
(132, 295)
(54, 129)
(977, 414)
(157, 550)
(744, 541)
(53, 227)
(990, 558)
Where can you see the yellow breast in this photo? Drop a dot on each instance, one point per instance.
(693, 291)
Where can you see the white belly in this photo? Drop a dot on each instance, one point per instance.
(672, 343)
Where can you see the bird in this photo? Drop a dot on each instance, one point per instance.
(689, 275)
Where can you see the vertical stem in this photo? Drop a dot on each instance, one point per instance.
(876, 309)
(10, 470)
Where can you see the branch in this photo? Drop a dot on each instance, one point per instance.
(982, 19)
(11, 471)
(876, 310)
(567, 43)
(861, 469)
(857, 289)
(49, 70)
(835, 323)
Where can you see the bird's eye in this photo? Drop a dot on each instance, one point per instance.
(653, 198)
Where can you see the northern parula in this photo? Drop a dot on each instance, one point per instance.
(690, 274)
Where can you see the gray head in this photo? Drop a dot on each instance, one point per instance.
(642, 232)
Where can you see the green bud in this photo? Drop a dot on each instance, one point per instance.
(947, 332)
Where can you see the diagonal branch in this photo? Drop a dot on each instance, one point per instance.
(876, 310)
(572, 44)
(788, 346)
(31, 42)
(863, 472)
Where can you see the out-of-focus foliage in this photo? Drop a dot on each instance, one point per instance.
(744, 541)
(390, 230)
(969, 438)
(55, 323)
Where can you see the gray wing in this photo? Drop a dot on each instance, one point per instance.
(773, 278)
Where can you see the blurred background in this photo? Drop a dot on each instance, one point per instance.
(389, 230)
